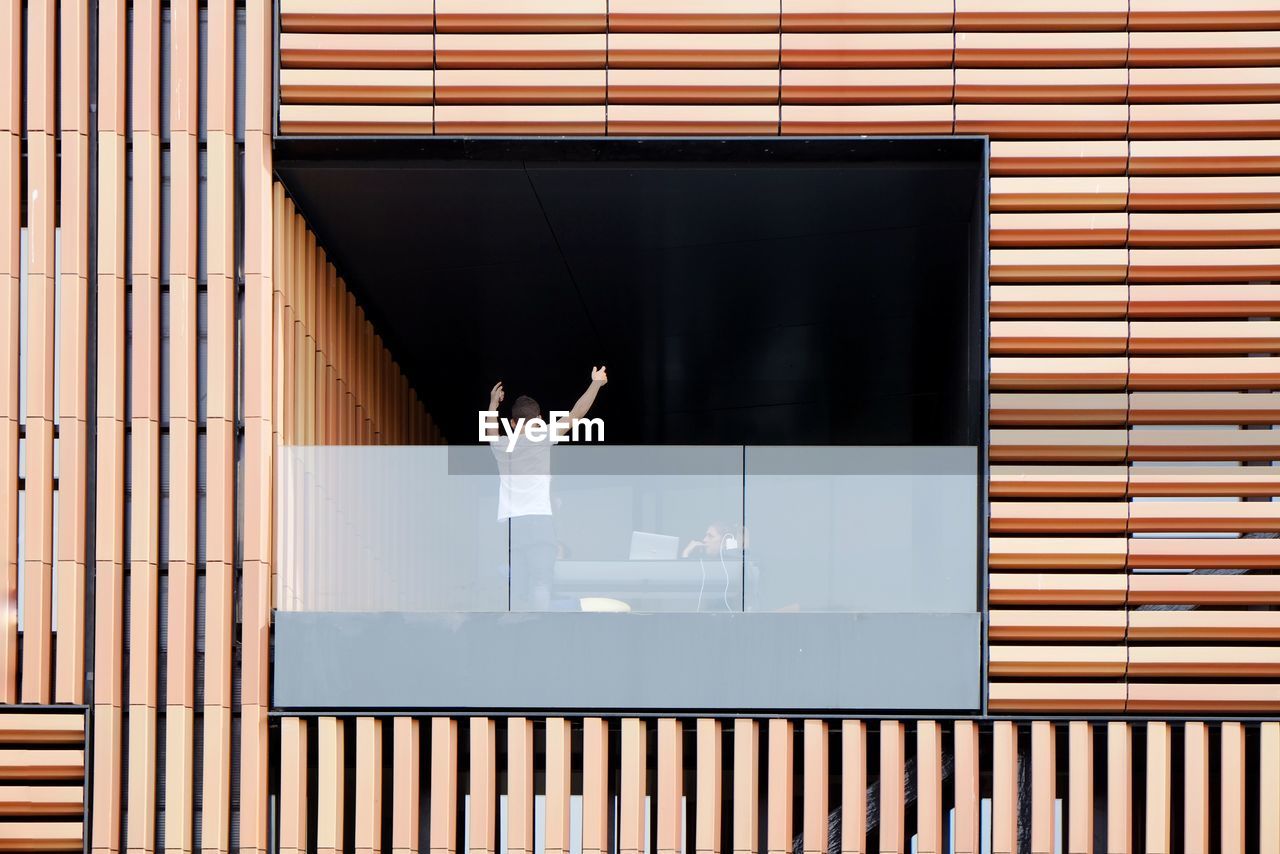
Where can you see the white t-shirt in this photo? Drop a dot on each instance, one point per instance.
(524, 475)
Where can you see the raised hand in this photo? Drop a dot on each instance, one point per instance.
(598, 375)
(496, 395)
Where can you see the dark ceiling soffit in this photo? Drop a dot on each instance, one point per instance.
(467, 151)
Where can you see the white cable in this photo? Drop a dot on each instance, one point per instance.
(703, 585)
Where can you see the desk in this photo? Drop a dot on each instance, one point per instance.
(654, 585)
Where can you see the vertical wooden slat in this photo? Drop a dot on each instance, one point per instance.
(595, 786)
(293, 786)
(37, 569)
(559, 776)
(815, 796)
(780, 786)
(221, 456)
(484, 786)
(1159, 787)
(10, 335)
(1195, 800)
(632, 810)
(670, 787)
(1044, 774)
(368, 791)
(1234, 791)
(1004, 788)
(405, 770)
(144, 426)
(709, 793)
(893, 756)
(1119, 788)
(746, 785)
(1080, 787)
(108, 692)
(330, 771)
(928, 788)
(1269, 788)
(183, 424)
(853, 787)
(968, 790)
(520, 792)
(444, 786)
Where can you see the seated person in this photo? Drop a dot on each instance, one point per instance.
(719, 538)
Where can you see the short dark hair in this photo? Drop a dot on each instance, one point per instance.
(526, 407)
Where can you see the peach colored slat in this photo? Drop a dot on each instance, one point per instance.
(406, 782)
(866, 86)
(356, 86)
(1074, 337)
(690, 119)
(38, 801)
(1269, 788)
(1039, 121)
(502, 119)
(595, 786)
(709, 793)
(355, 50)
(1043, 787)
(1203, 86)
(1193, 15)
(746, 785)
(1043, 158)
(42, 836)
(320, 16)
(1059, 445)
(444, 786)
(1080, 811)
(632, 810)
(26, 728)
(1119, 788)
(815, 787)
(1030, 662)
(1163, 49)
(368, 791)
(559, 771)
(362, 119)
(893, 754)
(1004, 792)
(1204, 157)
(1255, 589)
(483, 818)
(866, 50)
(929, 798)
(992, 15)
(520, 51)
(1031, 625)
(330, 770)
(691, 86)
(968, 791)
(512, 87)
(1009, 301)
(868, 119)
(1234, 789)
(1009, 230)
(1040, 50)
(1218, 697)
(690, 16)
(1056, 697)
(894, 16)
(520, 788)
(693, 50)
(520, 16)
(1084, 481)
(1195, 775)
(1159, 786)
(293, 786)
(1040, 86)
(670, 787)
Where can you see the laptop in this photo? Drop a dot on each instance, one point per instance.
(653, 546)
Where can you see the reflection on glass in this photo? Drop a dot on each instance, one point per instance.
(639, 529)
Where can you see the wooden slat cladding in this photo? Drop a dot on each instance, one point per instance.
(790, 785)
(42, 776)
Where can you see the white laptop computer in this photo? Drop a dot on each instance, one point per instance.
(646, 546)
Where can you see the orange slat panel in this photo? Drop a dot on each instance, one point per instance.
(1181, 589)
(1031, 517)
(1040, 49)
(368, 791)
(692, 119)
(356, 50)
(1195, 516)
(483, 803)
(868, 119)
(929, 798)
(336, 16)
(1066, 193)
(889, 86)
(537, 50)
(693, 50)
(367, 86)
(632, 808)
(1088, 373)
(1196, 301)
(893, 757)
(1233, 786)
(520, 787)
(780, 790)
(853, 787)
(693, 16)
(1159, 785)
(1202, 193)
(1204, 157)
(1041, 120)
(1009, 230)
(1066, 588)
(894, 16)
(1051, 158)
(359, 119)
(596, 796)
(1206, 661)
(1205, 407)
(709, 788)
(293, 786)
(670, 787)
(1022, 15)
(1065, 481)
(1269, 788)
(1044, 776)
(1226, 480)
(1033, 625)
(867, 50)
(511, 87)
(1160, 49)
(814, 825)
(1208, 372)
(1056, 696)
(1204, 121)
(1004, 788)
(1059, 445)
(1075, 337)
(520, 16)
(1080, 797)
(1119, 788)
(1077, 553)
(559, 773)
(1195, 15)
(330, 790)
(746, 785)
(1204, 625)
(1203, 86)
(692, 86)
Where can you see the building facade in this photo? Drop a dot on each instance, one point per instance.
(170, 321)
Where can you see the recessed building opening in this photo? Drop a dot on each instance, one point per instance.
(775, 292)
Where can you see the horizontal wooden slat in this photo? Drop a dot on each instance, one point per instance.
(339, 16)
(29, 728)
(1059, 696)
(361, 119)
(1058, 661)
(41, 836)
(42, 764)
(355, 86)
(356, 50)
(41, 800)
(1066, 588)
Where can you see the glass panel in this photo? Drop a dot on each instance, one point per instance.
(389, 529)
(889, 529)
(638, 528)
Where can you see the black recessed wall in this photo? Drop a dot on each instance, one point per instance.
(740, 291)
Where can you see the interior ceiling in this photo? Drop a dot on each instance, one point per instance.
(732, 302)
